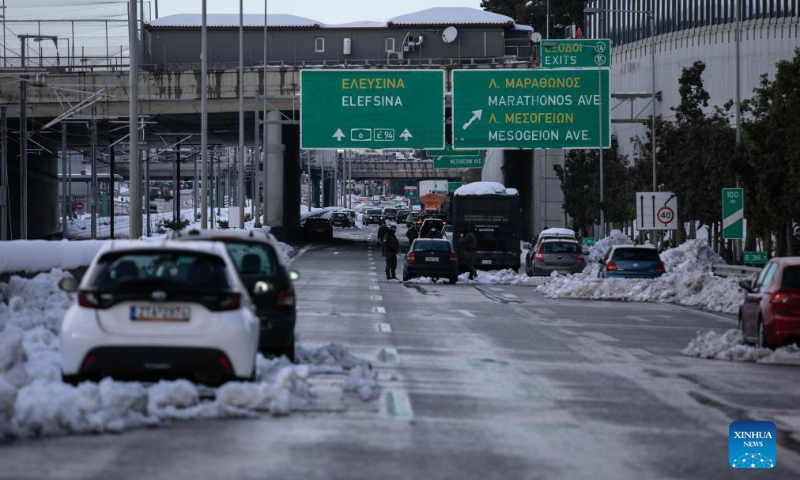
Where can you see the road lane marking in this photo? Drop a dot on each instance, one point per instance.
(302, 251)
(496, 289)
(373, 273)
(374, 287)
(508, 295)
(372, 268)
(465, 313)
(601, 337)
(544, 311)
(397, 405)
(388, 355)
(376, 298)
(639, 319)
(378, 310)
(383, 327)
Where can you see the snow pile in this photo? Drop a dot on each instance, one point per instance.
(688, 282)
(485, 188)
(730, 346)
(313, 212)
(42, 255)
(285, 251)
(603, 246)
(34, 402)
(494, 277)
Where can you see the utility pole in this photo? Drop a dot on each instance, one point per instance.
(737, 247)
(111, 188)
(240, 156)
(147, 186)
(95, 197)
(204, 119)
(23, 157)
(195, 181)
(63, 181)
(264, 154)
(254, 167)
(135, 213)
(3, 173)
(176, 189)
(600, 123)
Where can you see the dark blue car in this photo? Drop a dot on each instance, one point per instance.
(632, 261)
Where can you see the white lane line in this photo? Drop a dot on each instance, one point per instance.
(378, 310)
(639, 319)
(496, 289)
(465, 313)
(373, 273)
(302, 251)
(372, 268)
(383, 327)
(508, 295)
(388, 355)
(544, 311)
(396, 404)
(601, 337)
(374, 287)
(376, 298)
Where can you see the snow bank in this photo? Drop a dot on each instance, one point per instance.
(494, 277)
(688, 282)
(730, 346)
(603, 246)
(42, 255)
(485, 188)
(34, 402)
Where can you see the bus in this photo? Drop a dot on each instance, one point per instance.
(492, 213)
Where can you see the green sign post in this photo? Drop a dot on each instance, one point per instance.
(755, 258)
(594, 53)
(733, 214)
(449, 158)
(357, 109)
(453, 186)
(588, 241)
(519, 108)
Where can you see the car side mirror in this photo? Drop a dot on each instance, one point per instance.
(68, 284)
(746, 285)
(294, 275)
(261, 287)
(527, 246)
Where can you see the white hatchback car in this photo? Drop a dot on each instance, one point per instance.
(160, 310)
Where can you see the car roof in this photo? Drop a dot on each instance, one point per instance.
(640, 247)
(558, 232)
(163, 244)
(432, 240)
(786, 261)
(226, 234)
(559, 240)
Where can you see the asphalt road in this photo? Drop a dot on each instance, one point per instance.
(489, 382)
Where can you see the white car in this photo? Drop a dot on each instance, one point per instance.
(160, 310)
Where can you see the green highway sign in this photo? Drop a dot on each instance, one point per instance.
(733, 214)
(378, 109)
(521, 108)
(595, 53)
(453, 186)
(449, 158)
(755, 258)
(588, 241)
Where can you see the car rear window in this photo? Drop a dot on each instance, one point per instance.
(560, 247)
(374, 212)
(432, 246)
(641, 254)
(162, 270)
(251, 258)
(791, 278)
(317, 220)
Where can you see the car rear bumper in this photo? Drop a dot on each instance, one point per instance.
(490, 261)
(785, 328)
(276, 331)
(233, 336)
(545, 270)
(642, 275)
(436, 271)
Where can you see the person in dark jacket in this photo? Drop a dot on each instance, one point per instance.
(412, 234)
(391, 246)
(382, 232)
(468, 244)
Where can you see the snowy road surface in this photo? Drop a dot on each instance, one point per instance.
(478, 381)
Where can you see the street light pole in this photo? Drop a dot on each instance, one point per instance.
(653, 70)
(240, 156)
(204, 121)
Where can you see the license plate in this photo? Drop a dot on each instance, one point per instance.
(486, 262)
(431, 259)
(160, 314)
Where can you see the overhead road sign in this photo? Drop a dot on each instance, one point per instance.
(531, 109)
(377, 109)
(733, 214)
(585, 53)
(450, 158)
(656, 211)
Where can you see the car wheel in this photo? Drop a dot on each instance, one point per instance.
(73, 380)
(762, 335)
(453, 280)
(405, 277)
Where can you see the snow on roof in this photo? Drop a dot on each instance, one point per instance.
(225, 20)
(485, 188)
(358, 24)
(558, 231)
(451, 16)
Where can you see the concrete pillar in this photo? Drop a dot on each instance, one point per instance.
(274, 167)
(492, 166)
(548, 198)
(518, 173)
(329, 193)
(315, 191)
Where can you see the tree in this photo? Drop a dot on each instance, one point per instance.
(534, 12)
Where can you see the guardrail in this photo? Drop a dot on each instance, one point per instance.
(723, 270)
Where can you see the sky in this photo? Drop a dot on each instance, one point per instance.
(326, 11)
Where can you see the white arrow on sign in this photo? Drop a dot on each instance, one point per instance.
(476, 115)
(338, 135)
(406, 135)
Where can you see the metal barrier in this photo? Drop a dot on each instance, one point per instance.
(723, 270)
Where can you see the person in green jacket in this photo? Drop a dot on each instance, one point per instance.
(469, 244)
(391, 246)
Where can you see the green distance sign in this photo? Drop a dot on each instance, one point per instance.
(530, 109)
(377, 109)
(755, 258)
(733, 214)
(588, 241)
(450, 158)
(594, 53)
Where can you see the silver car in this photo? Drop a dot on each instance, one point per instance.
(562, 255)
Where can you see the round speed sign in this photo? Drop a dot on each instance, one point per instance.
(665, 215)
(79, 205)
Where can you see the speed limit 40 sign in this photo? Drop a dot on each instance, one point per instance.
(656, 211)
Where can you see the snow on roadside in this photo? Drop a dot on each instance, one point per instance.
(730, 346)
(34, 402)
(493, 277)
(42, 255)
(600, 249)
(688, 282)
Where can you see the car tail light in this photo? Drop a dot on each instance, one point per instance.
(580, 258)
(88, 299)
(453, 258)
(411, 258)
(88, 361)
(660, 268)
(539, 256)
(611, 266)
(780, 298)
(285, 299)
(225, 363)
(230, 301)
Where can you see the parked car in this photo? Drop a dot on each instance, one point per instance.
(256, 256)
(433, 258)
(412, 218)
(632, 261)
(555, 255)
(164, 310)
(374, 215)
(770, 315)
(316, 227)
(390, 213)
(340, 219)
(553, 233)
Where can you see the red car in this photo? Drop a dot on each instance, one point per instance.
(770, 316)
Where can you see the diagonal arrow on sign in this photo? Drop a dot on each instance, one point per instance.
(735, 217)
(476, 115)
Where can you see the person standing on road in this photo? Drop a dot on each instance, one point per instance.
(391, 246)
(469, 244)
(382, 232)
(412, 234)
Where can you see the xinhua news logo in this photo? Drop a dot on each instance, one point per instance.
(752, 445)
